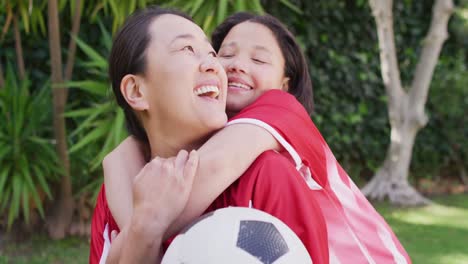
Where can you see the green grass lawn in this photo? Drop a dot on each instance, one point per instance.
(40, 249)
(437, 234)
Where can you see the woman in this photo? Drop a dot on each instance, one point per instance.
(173, 91)
(259, 54)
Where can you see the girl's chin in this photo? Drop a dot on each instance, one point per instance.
(237, 103)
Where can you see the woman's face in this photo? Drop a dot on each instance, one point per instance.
(253, 62)
(184, 83)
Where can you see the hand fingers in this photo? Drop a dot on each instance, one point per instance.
(191, 167)
(113, 235)
(179, 163)
(116, 246)
(154, 165)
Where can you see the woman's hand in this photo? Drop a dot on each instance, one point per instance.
(162, 188)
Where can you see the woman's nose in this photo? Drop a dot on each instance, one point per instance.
(210, 64)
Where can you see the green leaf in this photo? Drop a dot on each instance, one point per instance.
(257, 6)
(3, 179)
(28, 188)
(89, 120)
(222, 11)
(91, 137)
(107, 38)
(25, 18)
(80, 112)
(93, 87)
(42, 181)
(91, 53)
(240, 5)
(291, 6)
(6, 201)
(37, 200)
(25, 203)
(195, 6)
(5, 151)
(15, 199)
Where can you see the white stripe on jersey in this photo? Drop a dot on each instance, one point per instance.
(303, 170)
(106, 246)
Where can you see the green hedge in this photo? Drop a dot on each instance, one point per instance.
(340, 40)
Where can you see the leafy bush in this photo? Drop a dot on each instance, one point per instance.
(100, 123)
(28, 161)
(340, 40)
(442, 144)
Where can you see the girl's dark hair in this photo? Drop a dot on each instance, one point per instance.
(128, 56)
(296, 69)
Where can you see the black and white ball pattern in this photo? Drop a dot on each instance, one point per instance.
(237, 235)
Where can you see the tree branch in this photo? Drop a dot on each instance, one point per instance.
(64, 205)
(433, 43)
(54, 43)
(382, 12)
(7, 22)
(18, 48)
(72, 44)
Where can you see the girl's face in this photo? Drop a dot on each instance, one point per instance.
(184, 84)
(253, 62)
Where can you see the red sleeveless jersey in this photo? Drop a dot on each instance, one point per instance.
(356, 231)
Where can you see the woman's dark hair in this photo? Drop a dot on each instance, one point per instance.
(128, 56)
(296, 69)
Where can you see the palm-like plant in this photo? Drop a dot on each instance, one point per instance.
(209, 13)
(101, 123)
(28, 161)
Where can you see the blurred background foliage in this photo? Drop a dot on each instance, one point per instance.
(28, 161)
(340, 41)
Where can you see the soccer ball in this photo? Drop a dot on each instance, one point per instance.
(237, 235)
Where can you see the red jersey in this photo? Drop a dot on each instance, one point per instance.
(101, 226)
(272, 184)
(356, 231)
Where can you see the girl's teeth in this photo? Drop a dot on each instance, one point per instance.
(239, 85)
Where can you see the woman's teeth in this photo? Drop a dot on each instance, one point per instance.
(239, 85)
(208, 90)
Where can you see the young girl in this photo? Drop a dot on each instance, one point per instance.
(356, 232)
(260, 55)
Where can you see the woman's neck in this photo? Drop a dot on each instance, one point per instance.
(166, 146)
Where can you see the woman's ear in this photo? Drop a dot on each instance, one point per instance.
(285, 84)
(132, 90)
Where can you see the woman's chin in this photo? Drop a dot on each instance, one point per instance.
(214, 122)
(219, 121)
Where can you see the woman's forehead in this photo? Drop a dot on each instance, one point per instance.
(168, 27)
